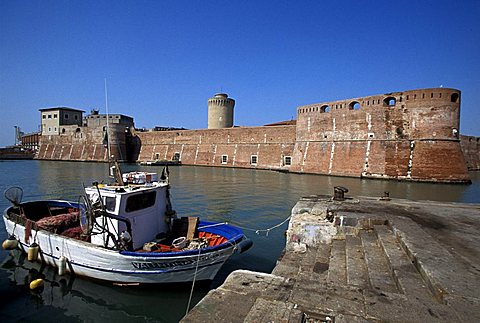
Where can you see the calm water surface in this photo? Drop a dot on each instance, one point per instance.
(254, 200)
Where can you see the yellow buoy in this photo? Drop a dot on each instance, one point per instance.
(10, 243)
(36, 284)
(62, 265)
(33, 252)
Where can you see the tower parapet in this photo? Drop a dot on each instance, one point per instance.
(220, 111)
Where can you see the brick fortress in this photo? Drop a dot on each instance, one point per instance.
(411, 135)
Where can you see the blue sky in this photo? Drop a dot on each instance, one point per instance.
(164, 59)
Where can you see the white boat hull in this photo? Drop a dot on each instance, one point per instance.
(86, 259)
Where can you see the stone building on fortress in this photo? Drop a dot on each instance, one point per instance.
(411, 135)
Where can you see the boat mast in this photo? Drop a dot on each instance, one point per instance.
(108, 135)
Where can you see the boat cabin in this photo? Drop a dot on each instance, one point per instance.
(137, 209)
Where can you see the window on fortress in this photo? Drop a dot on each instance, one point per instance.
(176, 156)
(224, 159)
(287, 160)
(49, 116)
(325, 108)
(354, 105)
(44, 116)
(454, 97)
(389, 102)
(54, 116)
(253, 159)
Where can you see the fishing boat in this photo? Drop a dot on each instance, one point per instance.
(125, 232)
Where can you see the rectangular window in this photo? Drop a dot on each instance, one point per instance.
(66, 115)
(44, 116)
(110, 203)
(140, 201)
(253, 159)
(49, 116)
(224, 159)
(54, 116)
(287, 160)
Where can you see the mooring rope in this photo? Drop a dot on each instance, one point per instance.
(193, 282)
(267, 231)
(257, 231)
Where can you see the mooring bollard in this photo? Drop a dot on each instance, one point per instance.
(339, 193)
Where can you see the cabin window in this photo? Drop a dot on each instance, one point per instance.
(253, 159)
(140, 201)
(110, 203)
(287, 160)
(224, 159)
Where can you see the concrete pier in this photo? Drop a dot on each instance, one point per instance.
(362, 260)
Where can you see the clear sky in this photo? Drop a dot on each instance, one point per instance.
(164, 59)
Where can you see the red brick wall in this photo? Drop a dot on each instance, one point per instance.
(206, 147)
(401, 135)
(410, 135)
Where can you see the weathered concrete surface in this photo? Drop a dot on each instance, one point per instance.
(362, 260)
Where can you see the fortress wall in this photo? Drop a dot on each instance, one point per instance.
(83, 143)
(439, 160)
(471, 151)
(403, 135)
(411, 135)
(207, 146)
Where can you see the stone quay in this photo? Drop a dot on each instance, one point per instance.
(362, 259)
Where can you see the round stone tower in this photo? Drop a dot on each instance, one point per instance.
(220, 111)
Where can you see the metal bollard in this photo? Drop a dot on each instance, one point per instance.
(339, 193)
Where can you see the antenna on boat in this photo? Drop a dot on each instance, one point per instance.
(108, 135)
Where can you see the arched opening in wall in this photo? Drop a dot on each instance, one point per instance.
(325, 108)
(77, 130)
(389, 101)
(454, 97)
(354, 105)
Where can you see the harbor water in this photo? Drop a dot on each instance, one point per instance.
(254, 200)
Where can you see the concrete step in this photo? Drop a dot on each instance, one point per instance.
(357, 273)
(379, 271)
(405, 275)
(337, 271)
